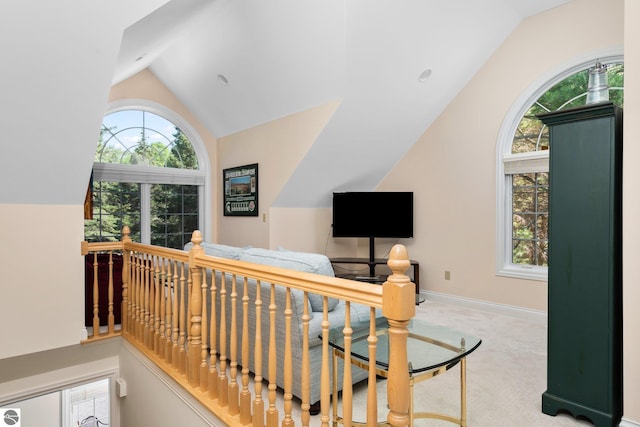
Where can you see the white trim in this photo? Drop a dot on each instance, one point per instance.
(628, 423)
(535, 161)
(53, 381)
(504, 266)
(113, 172)
(491, 307)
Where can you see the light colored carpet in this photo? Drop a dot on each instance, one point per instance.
(506, 375)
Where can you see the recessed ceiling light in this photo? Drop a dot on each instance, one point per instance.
(223, 80)
(424, 75)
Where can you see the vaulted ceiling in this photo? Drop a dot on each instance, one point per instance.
(393, 64)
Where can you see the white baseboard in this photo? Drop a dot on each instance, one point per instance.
(627, 423)
(492, 307)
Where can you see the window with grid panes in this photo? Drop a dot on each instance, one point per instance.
(526, 171)
(145, 176)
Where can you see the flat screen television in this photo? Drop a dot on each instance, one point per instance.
(373, 214)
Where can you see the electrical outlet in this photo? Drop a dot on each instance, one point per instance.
(447, 275)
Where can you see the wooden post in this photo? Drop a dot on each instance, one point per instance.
(195, 302)
(126, 256)
(398, 306)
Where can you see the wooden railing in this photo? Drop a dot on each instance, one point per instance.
(173, 310)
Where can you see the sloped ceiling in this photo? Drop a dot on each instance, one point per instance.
(240, 63)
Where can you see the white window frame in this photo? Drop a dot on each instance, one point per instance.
(147, 175)
(508, 163)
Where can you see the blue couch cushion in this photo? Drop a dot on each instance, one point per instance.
(299, 261)
(218, 250)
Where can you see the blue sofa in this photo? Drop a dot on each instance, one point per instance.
(300, 261)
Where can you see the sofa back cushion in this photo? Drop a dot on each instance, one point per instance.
(218, 250)
(299, 261)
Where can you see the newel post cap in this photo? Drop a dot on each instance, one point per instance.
(398, 292)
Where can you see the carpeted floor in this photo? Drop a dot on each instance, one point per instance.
(506, 375)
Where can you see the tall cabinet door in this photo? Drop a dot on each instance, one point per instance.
(584, 360)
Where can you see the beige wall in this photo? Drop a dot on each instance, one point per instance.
(631, 213)
(277, 147)
(42, 276)
(452, 167)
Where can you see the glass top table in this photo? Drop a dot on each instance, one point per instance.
(431, 350)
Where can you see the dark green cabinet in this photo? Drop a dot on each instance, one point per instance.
(584, 359)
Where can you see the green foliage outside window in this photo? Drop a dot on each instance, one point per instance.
(530, 191)
(141, 138)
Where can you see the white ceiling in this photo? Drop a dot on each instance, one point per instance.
(285, 56)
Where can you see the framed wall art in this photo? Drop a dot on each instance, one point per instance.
(240, 190)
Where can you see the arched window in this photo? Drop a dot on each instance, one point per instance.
(523, 168)
(147, 174)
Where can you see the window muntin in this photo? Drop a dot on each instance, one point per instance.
(523, 245)
(115, 204)
(142, 148)
(139, 137)
(174, 214)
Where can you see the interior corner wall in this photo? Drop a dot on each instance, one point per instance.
(452, 167)
(630, 215)
(145, 85)
(42, 277)
(155, 399)
(277, 147)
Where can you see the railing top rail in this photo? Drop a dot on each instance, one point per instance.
(86, 247)
(359, 292)
(175, 254)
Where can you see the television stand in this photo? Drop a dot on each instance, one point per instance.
(377, 278)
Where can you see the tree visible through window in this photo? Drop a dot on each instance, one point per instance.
(527, 166)
(146, 176)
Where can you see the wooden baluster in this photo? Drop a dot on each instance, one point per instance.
(234, 405)
(245, 394)
(272, 411)
(195, 307)
(325, 391)
(288, 362)
(148, 299)
(223, 384)
(96, 298)
(204, 346)
(171, 296)
(182, 366)
(175, 315)
(188, 314)
(139, 295)
(347, 390)
(135, 293)
(213, 353)
(111, 320)
(398, 306)
(125, 309)
(305, 374)
(258, 403)
(162, 334)
(372, 393)
(157, 315)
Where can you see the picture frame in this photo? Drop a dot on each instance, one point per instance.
(240, 190)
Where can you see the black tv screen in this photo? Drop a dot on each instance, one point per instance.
(373, 214)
